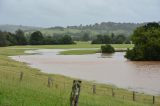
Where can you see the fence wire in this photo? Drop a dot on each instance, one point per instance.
(86, 87)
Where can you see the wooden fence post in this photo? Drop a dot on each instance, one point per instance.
(50, 82)
(75, 93)
(113, 94)
(133, 96)
(21, 76)
(94, 89)
(153, 99)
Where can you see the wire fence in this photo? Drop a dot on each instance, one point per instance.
(92, 89)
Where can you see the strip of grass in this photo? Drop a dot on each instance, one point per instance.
(78, 45)
(78, 52)
(33, 90)
(83, 52)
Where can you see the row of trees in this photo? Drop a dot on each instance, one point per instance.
(36, 38)
(78, 36)
(111, 39)
(8, 39)
(126, 28)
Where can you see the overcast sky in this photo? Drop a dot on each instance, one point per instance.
(75, 12)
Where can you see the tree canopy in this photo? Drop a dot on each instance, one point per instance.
(111, 39)
(9, 39)
(36, 38)
(20, 37)
(147, 43)
(3, 40)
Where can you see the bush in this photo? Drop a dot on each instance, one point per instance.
(107, 49)
(147, 43)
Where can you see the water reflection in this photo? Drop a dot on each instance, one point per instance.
(107, 55)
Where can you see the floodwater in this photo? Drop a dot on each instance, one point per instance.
(109, 69)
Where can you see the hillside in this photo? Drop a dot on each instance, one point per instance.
(13, 28)
(102, 28)
(98, 28)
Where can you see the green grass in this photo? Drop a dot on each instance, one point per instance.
(78, 52)
(118, 48)
(33, 90)
(78, 45)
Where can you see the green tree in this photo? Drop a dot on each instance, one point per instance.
(36, 38)
(48, 40)
(66, 39)
(113, 38)
(86, 37)
(11, 39)
(20, 37)
(147, 43)
(3, 40)
(106, 39)
(98, 40)
(120, 39)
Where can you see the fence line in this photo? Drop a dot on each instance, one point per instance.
(88, 87)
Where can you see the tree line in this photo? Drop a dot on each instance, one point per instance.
(126, 28)
(36, 38)
(111, 39)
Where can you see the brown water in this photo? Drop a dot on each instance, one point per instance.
(110, 69)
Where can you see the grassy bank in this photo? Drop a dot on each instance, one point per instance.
(33, 89)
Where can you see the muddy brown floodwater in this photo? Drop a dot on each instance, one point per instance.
(109, 69)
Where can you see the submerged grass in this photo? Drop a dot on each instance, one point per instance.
(33, 89)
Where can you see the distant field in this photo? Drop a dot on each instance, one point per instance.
(78, 45)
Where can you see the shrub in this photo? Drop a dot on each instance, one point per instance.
(107, 49)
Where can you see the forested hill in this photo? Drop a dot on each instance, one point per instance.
(109, 27)
(95, 29)
(13, 28)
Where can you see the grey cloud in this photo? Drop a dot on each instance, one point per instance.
(73, 12)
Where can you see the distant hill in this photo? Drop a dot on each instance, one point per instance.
(101, 28)
(109, 27)
(13, 28)
(98, 28)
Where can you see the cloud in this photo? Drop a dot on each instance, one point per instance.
(75, 12)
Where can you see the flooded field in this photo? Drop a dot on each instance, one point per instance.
(110, 69)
